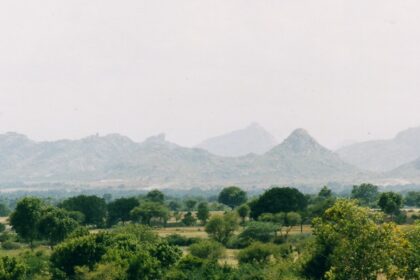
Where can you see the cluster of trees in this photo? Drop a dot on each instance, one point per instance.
(98, 238)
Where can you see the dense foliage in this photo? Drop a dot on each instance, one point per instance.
(269, 237)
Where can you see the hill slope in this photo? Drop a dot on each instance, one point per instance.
(384, 155)
(252, 139)
(157, 162)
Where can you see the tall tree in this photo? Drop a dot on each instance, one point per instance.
(119, 209)
(155, 196)
(354, 245)
(367, 194)
(150, 210)
(277, 200)
(412, 199)
(232, 196)
(390, 202)
(243, 211)
(221, 228)
(92, 207)
(56, 224)
(325, 192)
(26, 217)
(190, 204)
(203, 212)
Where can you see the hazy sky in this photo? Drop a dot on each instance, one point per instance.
(193, 69)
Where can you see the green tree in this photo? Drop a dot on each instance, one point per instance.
(150, 210)
(189, 219)
(412, 199)
(82, 251)
(144, 267)
(221, 228)
(291, 219)
(325, 192)
(356, 246)
(277, 200)
(366, 194)
(119, 209)
(12, 269)
(256, 253)
(155, 196)
(190, 204)
(390, 202)
(55, 225)
(258, 231)
(174, 206)
(413, 237)
(203, 212)
(243, 212)
(4, 210)
(25, 219)
(92, 207)
(232, 196)
(207, 249)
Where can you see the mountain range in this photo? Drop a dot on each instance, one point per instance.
(252, 139)
(384, 155)
(115, 159)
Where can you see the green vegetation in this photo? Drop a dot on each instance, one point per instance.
(281, 234)
(232, 196)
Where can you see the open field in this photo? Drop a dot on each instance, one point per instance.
(201, 233)
(185, 231)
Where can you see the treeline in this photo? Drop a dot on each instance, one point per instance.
(93, 237)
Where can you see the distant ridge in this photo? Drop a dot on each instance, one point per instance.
(156, 162)
(384, 155)
(252, 139)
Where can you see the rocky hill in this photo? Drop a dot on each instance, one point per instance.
(115, 159)
(384, 155)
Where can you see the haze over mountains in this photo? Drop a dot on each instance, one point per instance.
(384, 155)
(117, 160)
(252, 139)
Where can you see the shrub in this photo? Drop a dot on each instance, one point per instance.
(256, 253)
(189, 219)
(5, 236)
(37, 263)
(11, 268)
(10, 245)
(207, 249)
(2, 227)
(179, 240)
(259, 231)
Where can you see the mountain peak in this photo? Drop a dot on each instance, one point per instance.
(300, 141)
(300, 132)
(160, 138)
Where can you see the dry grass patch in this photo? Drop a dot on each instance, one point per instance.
(184, 231)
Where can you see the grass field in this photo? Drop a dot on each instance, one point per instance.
(201, 233)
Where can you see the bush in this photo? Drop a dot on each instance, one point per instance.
(2, 227)
(179, 240)
(257, 253)
(207, 249)
(237, 243)
(6, 236)
(37, 263)
(11, 268)
(259, 231)
(189, 219)
(9, 245)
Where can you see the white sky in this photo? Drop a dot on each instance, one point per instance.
(193, 69)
